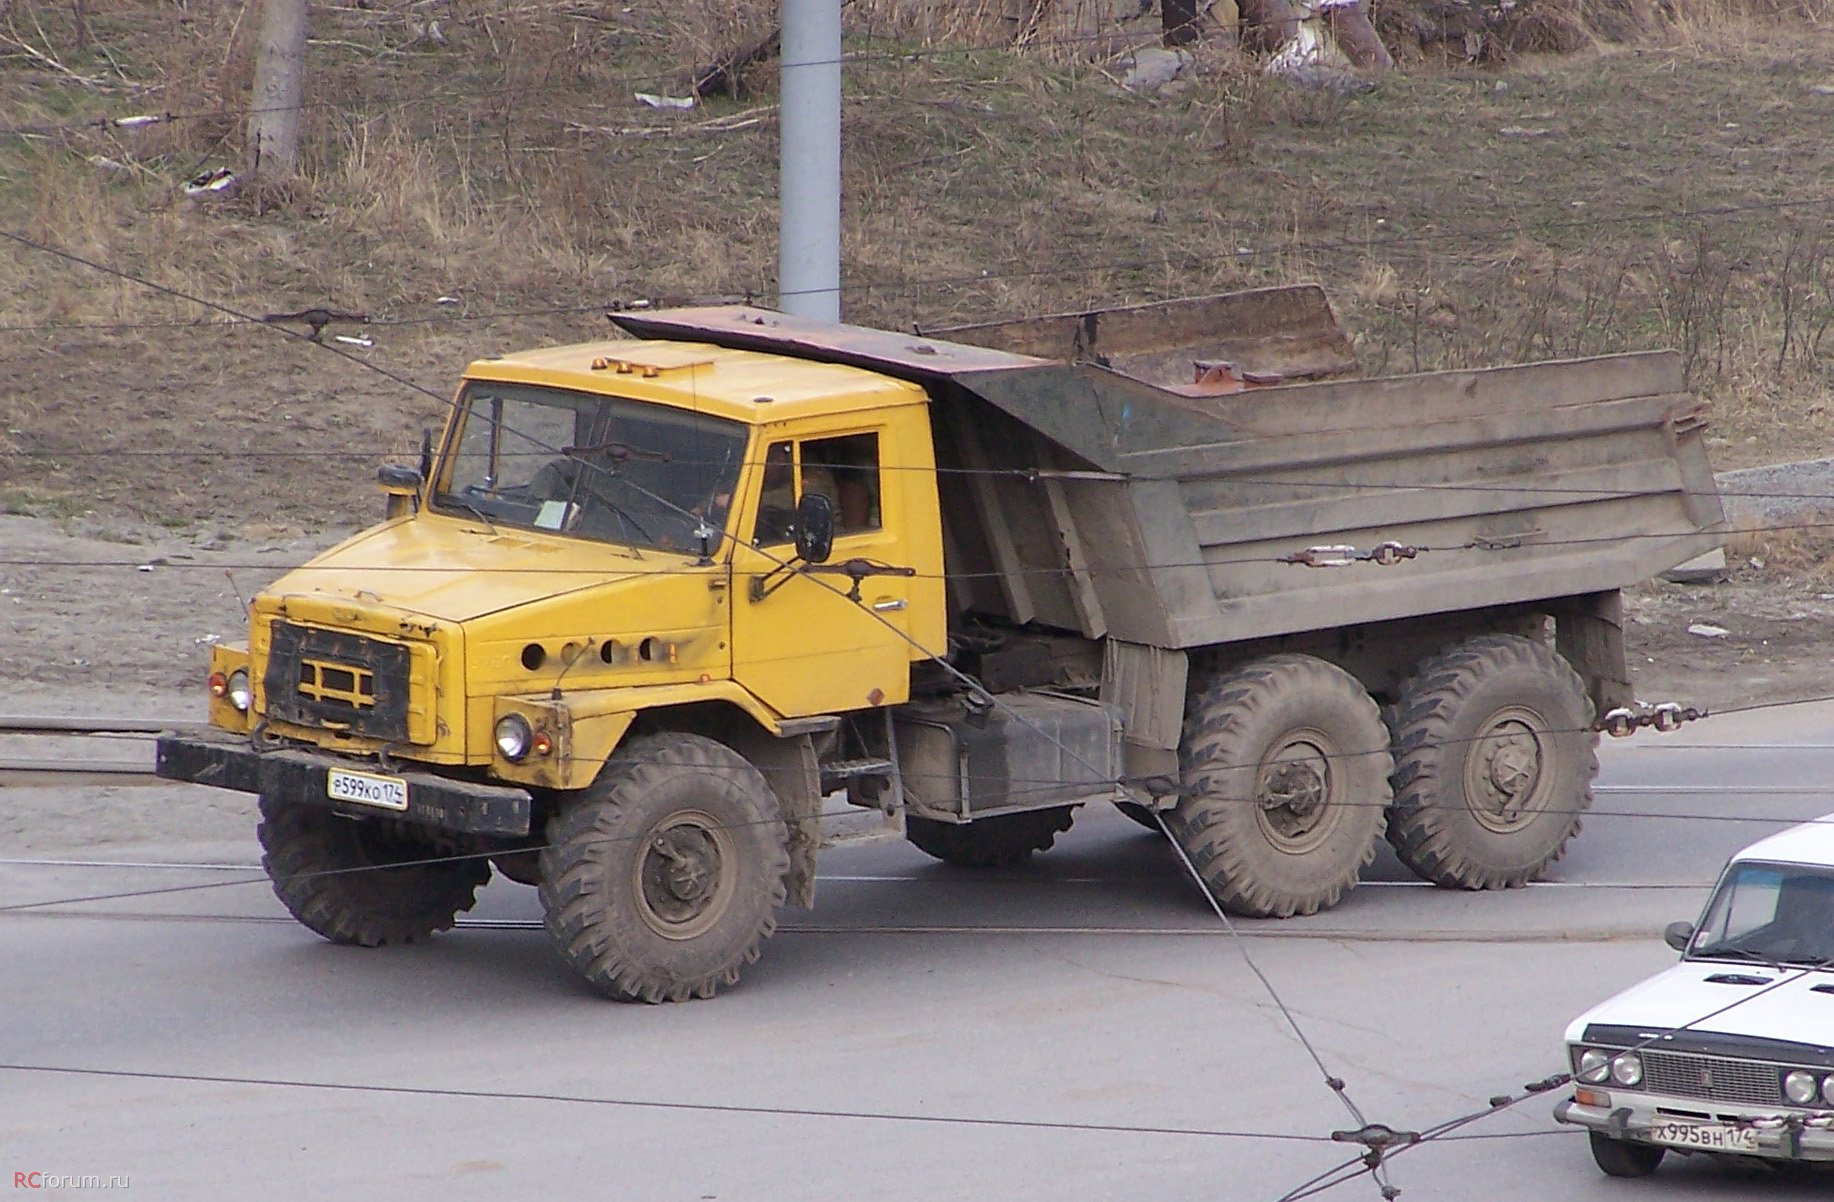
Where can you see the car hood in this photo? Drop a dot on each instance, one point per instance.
(1710, 996)
(457, 570)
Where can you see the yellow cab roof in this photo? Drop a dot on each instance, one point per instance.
(749, 386)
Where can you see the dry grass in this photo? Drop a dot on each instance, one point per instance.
(1455, 222)
(1798, 552)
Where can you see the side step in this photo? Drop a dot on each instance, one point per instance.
(836, 773)
(843, 822)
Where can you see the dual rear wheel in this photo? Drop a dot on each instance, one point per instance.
(1477, 774)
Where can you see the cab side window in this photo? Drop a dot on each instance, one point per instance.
(844, 469)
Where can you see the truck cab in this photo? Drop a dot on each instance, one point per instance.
(573, 557)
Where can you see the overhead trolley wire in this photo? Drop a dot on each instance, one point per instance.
(72, 257)
(901, 287)
(729, 1108)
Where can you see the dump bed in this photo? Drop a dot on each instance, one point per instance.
(1088, 488)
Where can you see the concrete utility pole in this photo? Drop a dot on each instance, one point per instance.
(809, 187)
(280, 87)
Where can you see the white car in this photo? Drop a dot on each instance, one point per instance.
(1730, 1051)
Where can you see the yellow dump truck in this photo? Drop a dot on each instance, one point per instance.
(651, 600)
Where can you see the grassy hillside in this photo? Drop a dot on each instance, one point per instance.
(496, 184)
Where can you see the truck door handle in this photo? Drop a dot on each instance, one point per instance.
(888, 606)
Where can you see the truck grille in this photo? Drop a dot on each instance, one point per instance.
(338, 681)
(1712, 1078)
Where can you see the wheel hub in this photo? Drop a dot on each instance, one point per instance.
(685, 875)
(689, 863)
(1294, 793)
(1503, 773)
(1297, 787)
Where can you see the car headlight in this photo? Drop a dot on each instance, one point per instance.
(513, 736)
(1594, 1066)
(1627, 1069)
(241, 694)
(1801, 1087)
(1827, 1090)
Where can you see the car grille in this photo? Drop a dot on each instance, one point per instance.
(1712, 1078)
(339, 681)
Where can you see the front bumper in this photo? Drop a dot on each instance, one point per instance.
(227, 761)
(1785, 1135)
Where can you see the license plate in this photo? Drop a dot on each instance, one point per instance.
(1707, 1137)
(383, 792)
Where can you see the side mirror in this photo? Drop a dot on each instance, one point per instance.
(1678, 934)
(402, 484)
(814, 528)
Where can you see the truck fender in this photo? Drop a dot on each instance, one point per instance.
(793, 769)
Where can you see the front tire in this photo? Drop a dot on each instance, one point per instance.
(1285, 769)
(661, 881)
(368, 882)
(994, 842)
(1621, 1158)
(1494, 759)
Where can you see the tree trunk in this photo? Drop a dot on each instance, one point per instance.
(280, 79)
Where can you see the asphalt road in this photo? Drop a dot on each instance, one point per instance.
(1081, 1029)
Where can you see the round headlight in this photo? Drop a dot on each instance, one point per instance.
(240, 693)
(513, 736)
(1627, 1069)
(1594, 1066)
(1801, 1086)
(1827, 1090)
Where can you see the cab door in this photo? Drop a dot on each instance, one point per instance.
(806, 646)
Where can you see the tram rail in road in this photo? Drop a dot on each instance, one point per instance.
(41, 770)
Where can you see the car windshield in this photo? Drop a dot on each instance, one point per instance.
(1770, 913)
(597, 467)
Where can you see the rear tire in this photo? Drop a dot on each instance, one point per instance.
(989, 842)
(1285, 768)
(662, 880)
(356, 880)
(1621, 1158)
(1494, 759)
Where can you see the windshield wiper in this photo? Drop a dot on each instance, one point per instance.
(618, 452)
(1729, 952)
(626, 520)
(468, 507)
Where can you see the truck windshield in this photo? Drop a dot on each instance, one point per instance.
(1771, 913)
(604, 468)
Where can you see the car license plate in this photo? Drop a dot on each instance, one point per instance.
(1707, 1137)
(383, 792)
